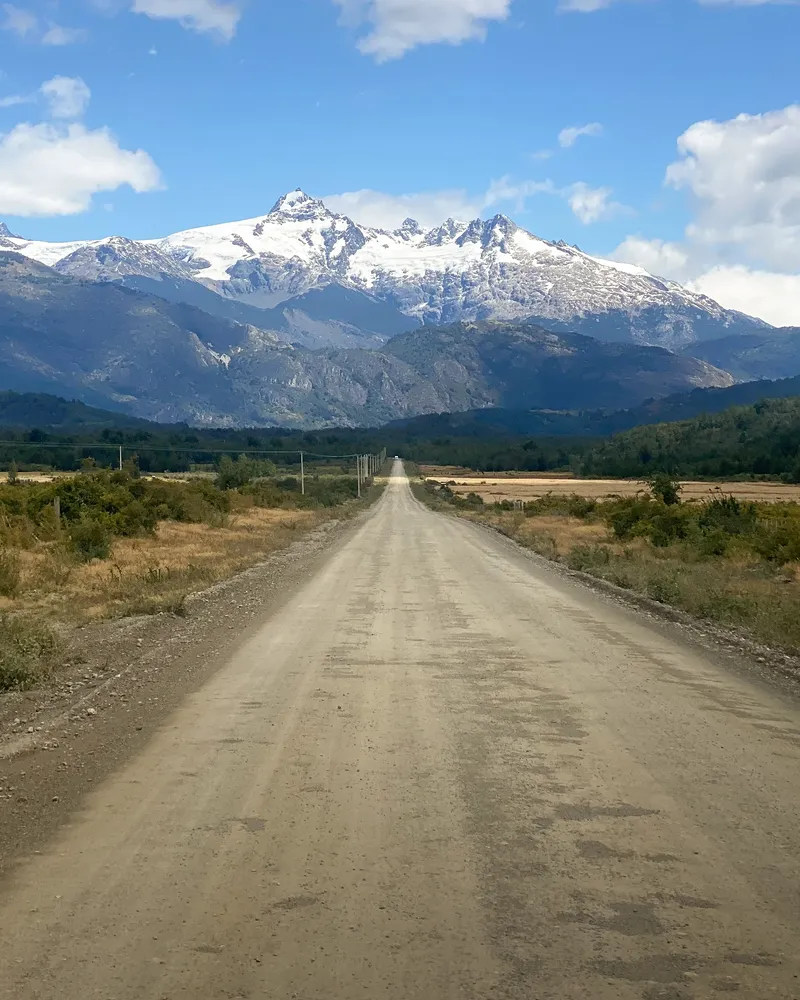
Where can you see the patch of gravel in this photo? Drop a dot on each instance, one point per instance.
(121, 679)
(776, 667)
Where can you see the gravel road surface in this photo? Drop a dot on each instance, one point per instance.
(438, 770)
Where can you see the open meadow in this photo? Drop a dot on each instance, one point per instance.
(516, 486)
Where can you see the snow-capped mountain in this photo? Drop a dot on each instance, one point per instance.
(479, 270)
(104, 343)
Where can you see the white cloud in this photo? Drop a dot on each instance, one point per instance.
(25, 24)
(56, 34)
(515, 192)
(50, 170)
(590, 6)
(213, 16)
(19, 21)
(666, 260)
(13, 100)
(396, 26)
(387, 211)
(431, 208)
(770, 296)
(569, 136)
(590, 204)
(773, 297)
(67, 96)
(744, 175)
(584, 6)
(742, 247)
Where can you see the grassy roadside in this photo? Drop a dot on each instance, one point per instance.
(723, 561)
(123, 545)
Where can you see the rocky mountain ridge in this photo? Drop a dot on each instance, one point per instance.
(484, 269)
(168, 361)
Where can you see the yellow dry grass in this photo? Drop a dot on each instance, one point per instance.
(495, 489)
(737, 590)
(565, 532)
(149, 574)
(461, 472)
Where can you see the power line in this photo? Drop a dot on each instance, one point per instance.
(199, 449)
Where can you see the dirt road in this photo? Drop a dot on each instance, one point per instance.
(440, 771)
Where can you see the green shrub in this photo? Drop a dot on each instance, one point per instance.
(729, 515)
(90, 539)
(9, 573)
(28, 650)
(665, 488)
(587, 557)
(663, 589)
(233, 475)
(571, 506)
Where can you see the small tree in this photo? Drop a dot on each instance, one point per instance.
(13, 473)
(234, 475)
(665, 488)
(90, 539)
(131, 467)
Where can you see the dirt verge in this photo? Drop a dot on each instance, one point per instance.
(768, 660)
(121, 681)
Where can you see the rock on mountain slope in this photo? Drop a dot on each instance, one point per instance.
(770, 354)
(170, 361)
(111, 344)
(479, 270)
(524, 365)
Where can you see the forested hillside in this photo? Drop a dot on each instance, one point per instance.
(758, 440)
(762, 439)
(499, 422)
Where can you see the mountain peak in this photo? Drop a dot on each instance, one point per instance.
(5, 231)
(503, 223)
(299, 205)
(410, 227)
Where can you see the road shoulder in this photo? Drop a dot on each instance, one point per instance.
(124, 679)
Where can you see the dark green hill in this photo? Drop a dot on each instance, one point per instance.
(758, 440)
(498, 421)
(40, 409)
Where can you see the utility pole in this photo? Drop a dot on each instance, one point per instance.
(358, 474)
(120, 458)
(302, 475)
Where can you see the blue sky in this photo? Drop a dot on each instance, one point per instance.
(421, 107)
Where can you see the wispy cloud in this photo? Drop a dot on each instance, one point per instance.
(590, 204)
(13, 100)
(19, 21)
(57, 34)
(394, 27)
(431, 208)
(66, 96)
(212, 16)
(569, 136)
(26, 24)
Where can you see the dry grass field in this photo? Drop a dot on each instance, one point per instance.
(152, 573)
(516, 487)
